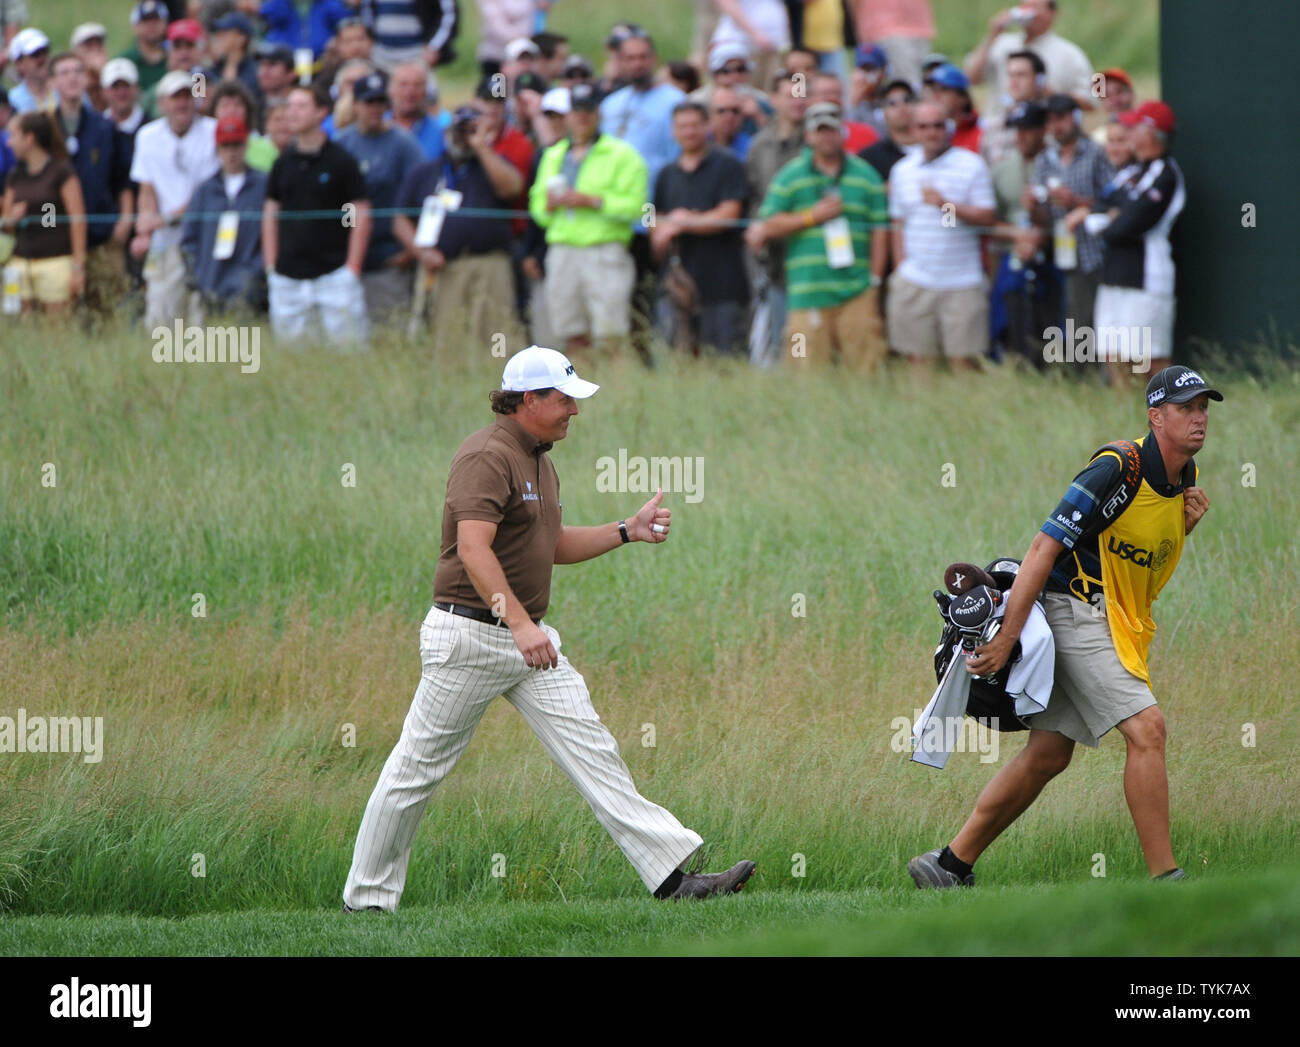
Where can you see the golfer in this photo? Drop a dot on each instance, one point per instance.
(1102, 556)
(484, 636)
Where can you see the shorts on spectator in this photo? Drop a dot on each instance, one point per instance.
(473, 301)
(848, 334)
(165, 296)
(1133, 326)
(1092, 691)
(589, 290)
(44, 280)
(336, 298)
(925, 322)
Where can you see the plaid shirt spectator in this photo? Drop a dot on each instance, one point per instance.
(1086, 177)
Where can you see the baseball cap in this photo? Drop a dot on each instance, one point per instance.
(1116, 73)
(149, 9)
(539, 368)
(948, 75)
(373, 87)
(1154, 114)
(174, 83)
(934, 58)
(268, 51)
(1176, 385)
(624, 31)
(185, 29)
(872, 55)
(584, 97)
(730, 51)
(1060, 103)
(27, 42)
(87, 31)
(1027, 114)
(897, 85)
(556, 100)
(576, 66)
(234, 20)
(232, 129)
(822, 114)
(118, 69)
(516, 49)
(531, 82)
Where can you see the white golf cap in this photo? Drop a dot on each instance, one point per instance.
(540, 368)
(174, 83)
(119, 69)
(729, 51)
(522, 46)
(27, 42)
(87, 31)
(556, 100)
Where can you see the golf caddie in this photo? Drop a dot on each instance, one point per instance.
(1099, 562)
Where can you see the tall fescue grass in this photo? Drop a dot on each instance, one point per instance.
(224, 734)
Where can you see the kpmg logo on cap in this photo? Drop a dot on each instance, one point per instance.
(1190, 378)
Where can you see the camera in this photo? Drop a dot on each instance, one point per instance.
(1020, 17)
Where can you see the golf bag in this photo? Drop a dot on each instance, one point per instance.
(969, 617)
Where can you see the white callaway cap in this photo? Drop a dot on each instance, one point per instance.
(540, 368)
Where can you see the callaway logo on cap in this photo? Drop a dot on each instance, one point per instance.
(539, 368)
(1177, 385)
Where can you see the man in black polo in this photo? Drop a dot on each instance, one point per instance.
(896, 104)
(469, 265)
(697, 198)
(484, 636)
(313, 264)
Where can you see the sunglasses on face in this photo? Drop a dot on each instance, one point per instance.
(733, 69)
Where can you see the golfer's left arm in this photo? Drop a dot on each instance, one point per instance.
(650, 524)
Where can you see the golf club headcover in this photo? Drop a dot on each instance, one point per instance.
(970, 611)
(960, 578)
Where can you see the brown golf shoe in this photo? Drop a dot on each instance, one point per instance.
(705, 885)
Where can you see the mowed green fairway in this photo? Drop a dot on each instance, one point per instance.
(768, 653)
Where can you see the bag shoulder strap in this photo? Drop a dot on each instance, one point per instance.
(1120, 496)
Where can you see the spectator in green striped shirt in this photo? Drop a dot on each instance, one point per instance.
(829, 206)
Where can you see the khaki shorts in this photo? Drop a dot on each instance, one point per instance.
(849, 334)
(45, 280)
(922, 321)
(589, 290)
(1092, 691)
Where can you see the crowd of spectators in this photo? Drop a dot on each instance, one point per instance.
(813, 184)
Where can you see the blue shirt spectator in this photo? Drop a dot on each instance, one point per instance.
(101, 156)
(459, 235)
(644, 119)
(237, 278)
(385, 157)
(285, 24)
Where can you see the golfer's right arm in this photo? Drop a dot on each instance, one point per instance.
(474, 546)
(1030, 579)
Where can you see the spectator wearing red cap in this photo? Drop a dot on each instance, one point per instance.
(221, 237)
(1136, 295)
(183, 55)
(1117, 97)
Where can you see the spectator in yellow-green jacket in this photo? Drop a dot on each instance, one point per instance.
(590, 189)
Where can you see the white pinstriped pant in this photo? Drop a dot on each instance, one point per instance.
(466, 664)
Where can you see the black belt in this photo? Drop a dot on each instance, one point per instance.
(477, 613)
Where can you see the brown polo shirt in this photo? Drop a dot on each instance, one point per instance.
(502, 474)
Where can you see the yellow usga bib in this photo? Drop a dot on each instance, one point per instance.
(1138, 553)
